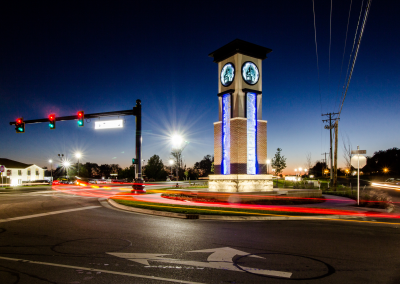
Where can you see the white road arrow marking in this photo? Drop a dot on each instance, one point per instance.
(141, 258)
(221, 258)
(224, 254)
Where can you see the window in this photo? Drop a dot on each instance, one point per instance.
(29, 172)
(37, 173)
(20, 172)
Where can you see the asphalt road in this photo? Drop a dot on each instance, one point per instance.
(50, 236)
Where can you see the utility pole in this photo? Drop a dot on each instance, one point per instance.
(336, 149)
(330, 126)
(324, 162)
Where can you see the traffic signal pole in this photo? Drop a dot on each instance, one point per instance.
(136, 111)
(138, 117)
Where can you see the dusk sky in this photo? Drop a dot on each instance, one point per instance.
(62, 57)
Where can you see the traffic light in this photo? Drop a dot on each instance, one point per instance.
(81, 118)
(134, 161)
(20, 125)
(52, 121)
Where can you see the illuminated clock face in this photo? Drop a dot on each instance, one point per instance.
(250, 73)
(227, 74)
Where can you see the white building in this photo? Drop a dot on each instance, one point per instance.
(16, 172)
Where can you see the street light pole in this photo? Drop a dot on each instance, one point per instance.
(171, 162)
(51, 169)
(78, 155)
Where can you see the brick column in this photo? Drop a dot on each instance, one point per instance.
(217, 147)
(238, 145)
(262, 146)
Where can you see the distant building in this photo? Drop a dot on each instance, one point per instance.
(16, 172)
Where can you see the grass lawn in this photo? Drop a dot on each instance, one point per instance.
(207, 211)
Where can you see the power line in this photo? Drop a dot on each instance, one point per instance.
(352, 49)
(316, 52)
(344, 51)
(330, 44)
(356, 52)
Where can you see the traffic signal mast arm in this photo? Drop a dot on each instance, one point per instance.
(74, 117)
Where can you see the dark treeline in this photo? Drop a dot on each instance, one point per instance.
(383, 162)
(154, 169)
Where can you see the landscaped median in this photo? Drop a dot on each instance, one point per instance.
(225, 213)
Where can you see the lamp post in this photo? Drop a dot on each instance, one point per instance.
(171, 162)
(268, 162)
(78, 155)
(178, 145)
(300, 171)
(61, 157)
(66, 165)
(51, 169)
(305, 171)
(295, 172)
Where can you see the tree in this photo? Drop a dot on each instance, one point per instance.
(105, 170)
(347, 151)
(127, 173)
(155, 168)
(177, 157)
(205, 166)
(278, 162)
(308, 161)
(318, 169)
(388, 159)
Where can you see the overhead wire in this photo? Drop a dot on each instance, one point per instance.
(330, 44)
(352, 49)
(316, 52)
(356, 52)
(344, 52)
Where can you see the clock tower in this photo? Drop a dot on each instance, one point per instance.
(240, 134)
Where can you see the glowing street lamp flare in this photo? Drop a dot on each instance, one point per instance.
(177, 141)
(78, 155)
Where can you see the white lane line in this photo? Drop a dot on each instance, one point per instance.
(99, 270)
(46, 214)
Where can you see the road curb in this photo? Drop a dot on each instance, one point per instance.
(218, 217)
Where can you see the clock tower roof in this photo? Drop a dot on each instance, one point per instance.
(240, 46)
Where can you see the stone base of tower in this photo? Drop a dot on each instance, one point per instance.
(240, 183)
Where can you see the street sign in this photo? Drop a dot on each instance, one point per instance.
(358, 152)
(119, 123)
(2, 169)
(8, 173)
(354, 161)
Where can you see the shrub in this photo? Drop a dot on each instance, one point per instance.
(303, 185)
(376, 198)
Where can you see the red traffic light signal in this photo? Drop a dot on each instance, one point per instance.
(81, 118)
(20, 125)
(52, 121)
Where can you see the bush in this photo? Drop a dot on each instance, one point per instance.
(303, 185)
(376, 198)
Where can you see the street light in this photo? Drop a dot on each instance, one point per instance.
(171, 162)
(268, 162)
(178, 145)
(177, 141)
(51, 167)
(78, 155)
(295, 171)
(66, 164)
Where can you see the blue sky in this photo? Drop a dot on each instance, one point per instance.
(61, 58)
